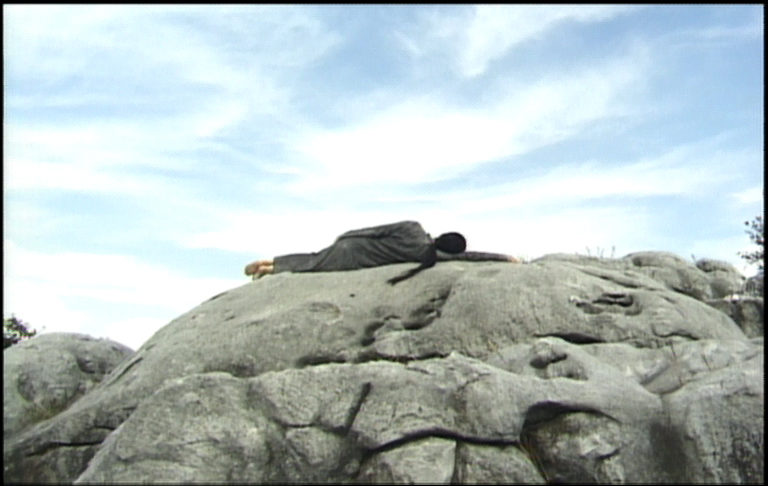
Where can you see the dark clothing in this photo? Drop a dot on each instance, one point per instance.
(401, 242)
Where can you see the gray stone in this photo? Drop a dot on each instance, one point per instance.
(706, 279)
(424, 461)
(709, 265)
(578, 448)
(718, 429)
(369, 430)
(495, 464)
(724, 279)
(675, 272)
(44, 375)
(746, 312)
(199, 429)
(569, 368)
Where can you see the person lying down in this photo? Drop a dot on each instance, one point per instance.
(401, 242)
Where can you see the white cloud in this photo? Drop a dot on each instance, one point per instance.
(486, 33)
(119, 157)
(414, 141)
(269, 232)
(538, 232)
(687, 170)
(178, 79)
(426, 139)
(557, 211)
(30, 174)
(130, 332)
(495, 29)
(188, 39)
(532, 232)
(748, 196)
(109, 277)
(47, 289)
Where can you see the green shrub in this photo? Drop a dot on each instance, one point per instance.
(14, 330)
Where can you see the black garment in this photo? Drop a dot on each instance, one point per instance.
(401, 242)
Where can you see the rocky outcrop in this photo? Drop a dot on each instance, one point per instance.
(724, 279)
(746, 312)
(566, 369)
(45, 375)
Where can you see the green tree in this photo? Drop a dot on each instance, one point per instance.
(756, 233)
(14, 330)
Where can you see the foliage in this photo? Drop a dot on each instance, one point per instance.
(756, 233)
(14, 330)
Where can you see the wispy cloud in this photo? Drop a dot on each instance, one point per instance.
(429, 138)
(688, 170)
(534, 202)
(482, 34)
(753, 29)
(143, 86)
(108, 277)
(49, 286)
(751, 195)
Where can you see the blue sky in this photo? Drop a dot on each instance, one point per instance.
(150, 152)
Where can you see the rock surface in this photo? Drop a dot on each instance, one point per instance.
(566, 369)
(746, 312)
(45, 375)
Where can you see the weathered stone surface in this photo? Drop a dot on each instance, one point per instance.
(494, 464)
(724, 279)
(369, 428)
(194, 429)
(719, 429)
(746, 312)
(579, 448)
(567, 369)
(707, 279)
(423, 461)
(44, 375)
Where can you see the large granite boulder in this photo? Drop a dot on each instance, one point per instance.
(566, 369)
(724, 279)
(44, 375)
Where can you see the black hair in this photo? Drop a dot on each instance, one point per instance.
(447, 242)
(451, 243)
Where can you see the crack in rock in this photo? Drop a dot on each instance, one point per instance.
(573, 337)
(606, 301)
(615, 298)
(419, 318)
(546, 411)
(319, 359)
(136, 360)
(55, 444)
(368, 355)
(364, 392)
(437, 433)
